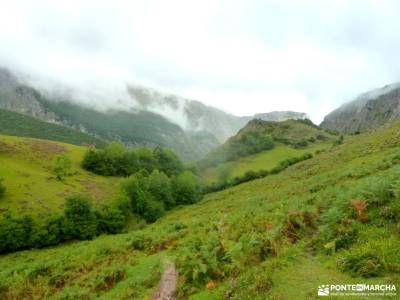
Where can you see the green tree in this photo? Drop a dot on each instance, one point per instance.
(110, 220)
(15, 233)
(80, 219)
(142, 201)
(168, 162)
(2, 188)
(186, 188)
(159, 185)
(62, 166)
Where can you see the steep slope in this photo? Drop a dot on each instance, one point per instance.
(27, 168)
(133, 127)
(12, 123)
(194, 115)
(259, 136)
(258, 240)
(369, 110)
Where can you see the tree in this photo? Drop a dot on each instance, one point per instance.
(168, 162)
(2, 188)
(15, 233)
(62, 166)
(159, 185)
(80, 220)
(186, 188)
(110, 220)
(143, 202)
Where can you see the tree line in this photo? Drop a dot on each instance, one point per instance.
(252, 175)
(155, 181)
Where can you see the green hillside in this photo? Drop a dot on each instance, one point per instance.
(16, 124)
(333, 219)
(133, 128)
(265, 160)
(32, 188)
(262, 145)
(258, 136)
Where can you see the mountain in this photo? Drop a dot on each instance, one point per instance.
(278, 116)
(133, 127)
(369, 110)
(16, 124)
(259, 136)
(194, 115)
(335, 216)
(142, 116)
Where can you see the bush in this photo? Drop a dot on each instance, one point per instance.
(110, 220)
(359, 263)
(159, 186)
(379, 190)
(80, 220)
(186, 188)
(2, 188)
(116, 160)
(62, 166)
(142, 200)
(15, 233)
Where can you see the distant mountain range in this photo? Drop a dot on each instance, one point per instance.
(148, 117)
(368, 111)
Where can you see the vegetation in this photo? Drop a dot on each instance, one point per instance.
(12, 123)
(116, 160)
(62, 166)
(27, 167)
(264, 160)
(79, 221)
(251, 175)
(132, 128)
(335, 215)
(2, 188)
(151, 195)
(258, 136)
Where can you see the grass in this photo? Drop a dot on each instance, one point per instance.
(12, 123)
(265, 160)
(27, 168)
(260, 240)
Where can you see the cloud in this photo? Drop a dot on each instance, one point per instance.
(242, 56)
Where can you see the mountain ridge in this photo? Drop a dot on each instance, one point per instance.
(369, 110)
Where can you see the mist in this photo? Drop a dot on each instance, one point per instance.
(244, 57)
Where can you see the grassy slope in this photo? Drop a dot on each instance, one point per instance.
(26, 166)
(265, 160)
(12, 123)
(88, 269)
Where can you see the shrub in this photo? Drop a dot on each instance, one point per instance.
(379, 190)
(80, 220)
(186, 188)
(2, 188)
(116, 160)
(110, 220)
(359, 263)
(142, 200)
(159, 186)
(15, 233)
(167, 161)
(62, 166)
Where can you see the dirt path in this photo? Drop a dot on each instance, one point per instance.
(167, 288)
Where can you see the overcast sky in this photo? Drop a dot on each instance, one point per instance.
(243, 56)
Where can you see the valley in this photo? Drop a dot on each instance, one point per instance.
(259, 238)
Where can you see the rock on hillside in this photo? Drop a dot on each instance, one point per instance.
(369, 110)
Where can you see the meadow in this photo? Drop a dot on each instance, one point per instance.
(330, 219)
(26, 166)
